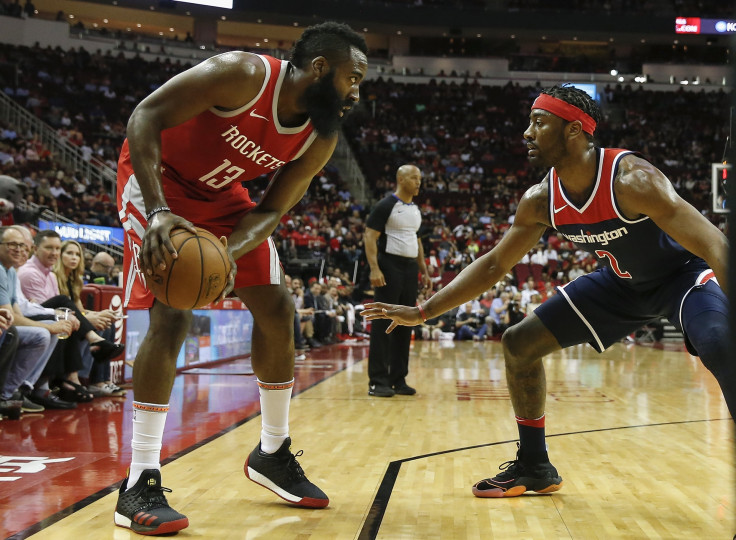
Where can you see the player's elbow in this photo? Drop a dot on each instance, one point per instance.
(143, 118)
(493, 272)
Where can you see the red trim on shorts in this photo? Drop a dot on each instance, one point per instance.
(705, 277)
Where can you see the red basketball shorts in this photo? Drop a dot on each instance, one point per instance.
(217, 212)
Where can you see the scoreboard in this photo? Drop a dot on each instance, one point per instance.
(697, 25)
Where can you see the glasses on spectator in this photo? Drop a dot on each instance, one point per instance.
(15, 245)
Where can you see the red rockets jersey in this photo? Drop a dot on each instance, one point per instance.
(637, 251)
(218, 149)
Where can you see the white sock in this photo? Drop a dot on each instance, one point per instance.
(275, 399)
(148, 432)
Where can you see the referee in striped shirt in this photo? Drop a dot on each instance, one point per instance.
(395, 256)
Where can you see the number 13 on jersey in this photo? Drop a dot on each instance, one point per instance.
(231, 172)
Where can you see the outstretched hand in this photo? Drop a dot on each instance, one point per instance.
(398, 315)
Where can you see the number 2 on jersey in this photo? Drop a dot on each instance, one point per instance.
(232, 173)
(614, 263)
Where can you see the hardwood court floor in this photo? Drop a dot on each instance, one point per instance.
(641, 437)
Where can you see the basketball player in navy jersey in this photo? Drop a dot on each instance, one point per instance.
(658, 257)
(190, 145)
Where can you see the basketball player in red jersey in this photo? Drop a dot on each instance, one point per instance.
(191, 143)
(658, 257)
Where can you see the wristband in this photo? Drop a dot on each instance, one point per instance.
(421, 313)
(155, 211)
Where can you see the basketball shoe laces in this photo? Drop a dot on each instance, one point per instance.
(295, 470)
(154, 496)
(512, 468)
(509, 469)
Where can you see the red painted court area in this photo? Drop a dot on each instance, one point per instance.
(53, 463)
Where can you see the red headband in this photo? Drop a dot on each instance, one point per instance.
(565, 111)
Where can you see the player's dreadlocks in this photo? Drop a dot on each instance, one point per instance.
(578, 98)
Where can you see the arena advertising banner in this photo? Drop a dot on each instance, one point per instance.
(85, 233)
(696, 25)
(219, 333)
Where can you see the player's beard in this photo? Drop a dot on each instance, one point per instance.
(324, 105)
(553, 155)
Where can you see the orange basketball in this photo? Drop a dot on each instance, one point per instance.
(197, 276)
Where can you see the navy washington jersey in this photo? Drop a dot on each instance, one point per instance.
(637, 251)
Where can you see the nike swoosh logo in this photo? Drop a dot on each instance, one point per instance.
(254, 115)
(560, 209)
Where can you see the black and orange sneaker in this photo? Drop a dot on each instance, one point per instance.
(281, 473)
(144, 509)
(517, 478)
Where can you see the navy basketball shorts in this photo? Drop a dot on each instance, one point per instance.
(601, 309)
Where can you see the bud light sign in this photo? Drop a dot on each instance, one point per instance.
(93, 234)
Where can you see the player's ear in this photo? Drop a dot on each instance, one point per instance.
(320, 66)
(574, 128)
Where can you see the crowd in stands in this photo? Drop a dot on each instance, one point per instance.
(87, 98)
(465, 137)
(325, 311)
(13, 8)
(49, 184)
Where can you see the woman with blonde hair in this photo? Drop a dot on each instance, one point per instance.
(69, 270)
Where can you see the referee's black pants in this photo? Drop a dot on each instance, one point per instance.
(388, 357)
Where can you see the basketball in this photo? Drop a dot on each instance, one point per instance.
(197, 276)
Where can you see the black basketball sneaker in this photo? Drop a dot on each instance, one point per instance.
(281, 473)
(144, 509)
(517, 478)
